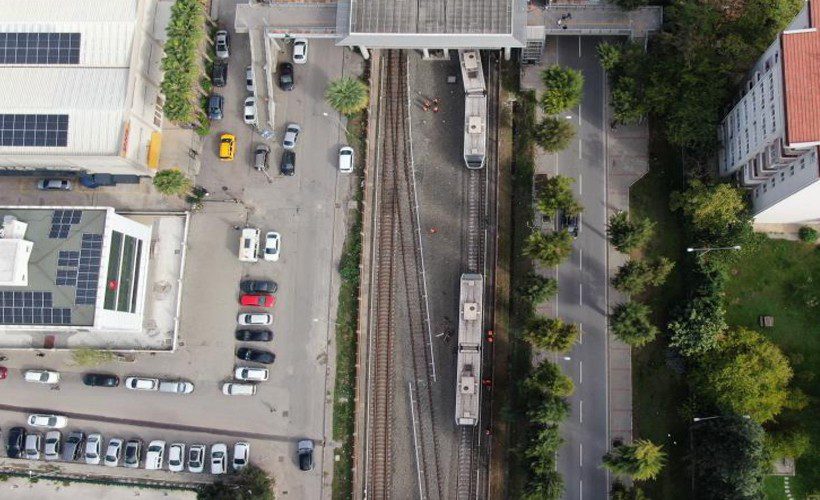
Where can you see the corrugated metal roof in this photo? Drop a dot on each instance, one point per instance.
(801, 74)
(432, 16)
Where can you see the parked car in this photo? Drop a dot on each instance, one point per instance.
(73, 446)
(251, 374)
(47, 421)
(249, 113)
(101, 380)
(176, 457)
(219, 74)
(288, 164)
(41, 376)
(273, 244)
(32, 448)
(113, 453)
(260, 157)
(241, 455)
(155, 455)
(257, 300)
(215, 105)
(304, 450)
(222, 41)
(196, 458)
(53, 446)
(249, 79)
(569, 223)
(142, 383)
(262, 335)
(346, 159)
(219, 458)
(176, 386)
(254, 319)
(259, 356)
(15, 442)
(227, 147)
(286, 76)
(93, 449)
(258, 286)
(291, 136)
(54, 185)
(249, 245)
(4, 372)
(300, 50)
(133, 453)
(234, 389)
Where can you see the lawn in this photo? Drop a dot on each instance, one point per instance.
(781, 278)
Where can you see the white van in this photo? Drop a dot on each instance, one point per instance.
(249, 245)
(233, 389)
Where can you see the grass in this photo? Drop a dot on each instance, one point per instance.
(774, 278)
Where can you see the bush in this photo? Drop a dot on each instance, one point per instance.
(86, 356)
(550, 249)
(789, 443)
(553, 133)
(564, 87)
(551, 334)
(251, 483)
(627, 234)
(630, 322)
(807, 234)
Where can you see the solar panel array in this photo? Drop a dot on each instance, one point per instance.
(68, 258)
(61, 222)
(39, 48)
(66, 277)
(31, 308)
(34, 130)
(88, 274)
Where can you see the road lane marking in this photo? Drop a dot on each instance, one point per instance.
(580, 333)
(580, 454)
(580, 148)
(579, 115)
(580, 294)
(580, 372)
(581, 259)
(579, 46)
(581, 412)
(580, 490)
(580, 184)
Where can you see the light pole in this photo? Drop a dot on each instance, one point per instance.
(338, 122)
(691, 439)
(705, 250)
(701, 419)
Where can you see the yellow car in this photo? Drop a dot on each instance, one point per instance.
(227, 147)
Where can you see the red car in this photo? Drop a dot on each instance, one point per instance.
(257, 300)
(3, 372)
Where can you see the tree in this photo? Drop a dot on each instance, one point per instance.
(347, 95)
(553, 134)
(252, 483)
(697, 328)
(86, 356)
(551, 410)
(555, 193)
(621, 492)
(627, 234)
(172, 182)
(548, 486)
(787, 443)
(748, 375)
(641, 460)
(635, 275)
(182, 65)
(609, 55)
(551, 334)
(728, 458)
(807, 234)
(550, 249)
(716, 213)
(536, 288)
(631, 324)
(564, 87)
(548, 379)
(628, 104)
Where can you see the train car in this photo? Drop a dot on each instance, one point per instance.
(472, 71)
(470, 328)
(475, 130)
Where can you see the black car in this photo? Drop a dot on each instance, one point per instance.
(215, 104)
(73, 446)
(570, 224)
(304, 449)
(264, 335)
(16, 440)
(219, 75)
(248, 354)
(133, 453)
(258, 286)
(288, 164)
(101, 380)
(286, 76)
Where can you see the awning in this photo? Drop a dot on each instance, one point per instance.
(154, 148)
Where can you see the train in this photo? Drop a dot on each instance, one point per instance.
(470, 329)
(472, 71)
(475, 108)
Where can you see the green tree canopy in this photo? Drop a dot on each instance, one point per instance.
(698, 327)
(630, 322)
(628, 108)
(609, 54)
(627, 234)
(640, 460)
(181, 66)
(551, 334)
(787, 443)
(251, 483)
(807, 234)
(555, 193)
(621, 492)
(551, 249)
(536, 288)
(748, 375)
(172, 182)
(552, 410)
(553, 134)
(716, 213)
(635, 275)
(348, 95)
(564, 87)
(548, 379)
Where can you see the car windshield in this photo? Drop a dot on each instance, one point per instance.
(154, 448)
(111, 458)
(218, 455)
(287, 78)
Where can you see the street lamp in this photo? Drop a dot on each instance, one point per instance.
(704, 250)
(701, 419)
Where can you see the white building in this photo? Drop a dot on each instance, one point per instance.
(80, 86)
(770, 138)
(69, 269)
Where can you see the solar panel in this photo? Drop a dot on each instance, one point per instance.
(34, 130)
(40, 48)
(66, 258)
(66, 277)
(31, 308)
(61, 222)
(88, 274)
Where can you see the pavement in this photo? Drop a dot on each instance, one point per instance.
(17, 488)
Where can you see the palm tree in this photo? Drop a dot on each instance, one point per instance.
(641, 460)
(347, 95)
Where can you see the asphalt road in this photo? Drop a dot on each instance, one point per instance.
(582, 280)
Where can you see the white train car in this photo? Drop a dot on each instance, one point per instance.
(475, 130)
(470, 329)
(472, 71)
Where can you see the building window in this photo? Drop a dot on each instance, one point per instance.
(39, 48)
(782, 176)
(791, 170)
(34, 130)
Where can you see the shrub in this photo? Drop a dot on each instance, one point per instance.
(807, 234)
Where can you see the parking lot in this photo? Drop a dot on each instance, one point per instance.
(309, 210)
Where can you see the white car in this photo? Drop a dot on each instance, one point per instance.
(41, 376)
(114, 452)
(48, 421)
(155, 455)
(32, 448)
(249, 79)
(254, 319)
(300, 50)
(93, 449)
(346, 160)
(176, 457)
(196, 458)
(291, 136)
(241, 455)
(251, 374)
(273, 241)
(52, 446)
(222, 42)
(176, 386)
(142, 384)
(233, 389)
(219, 458)
(250, 110)
(54, 185)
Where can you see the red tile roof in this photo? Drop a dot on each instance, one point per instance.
(801, 77)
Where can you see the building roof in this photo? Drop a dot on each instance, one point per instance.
(445, 17)
(801, 78)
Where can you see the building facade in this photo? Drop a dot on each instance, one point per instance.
(770, 138)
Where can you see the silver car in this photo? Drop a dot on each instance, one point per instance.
(53, 442)
(291, 136)
(249, 79)
(222, 42)
(32, 449)
(176, 386)
(196, 458)
(113, 453)
(219, 458)
(260, 157)
(93, 449)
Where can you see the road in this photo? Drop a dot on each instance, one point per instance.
(582, 280)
